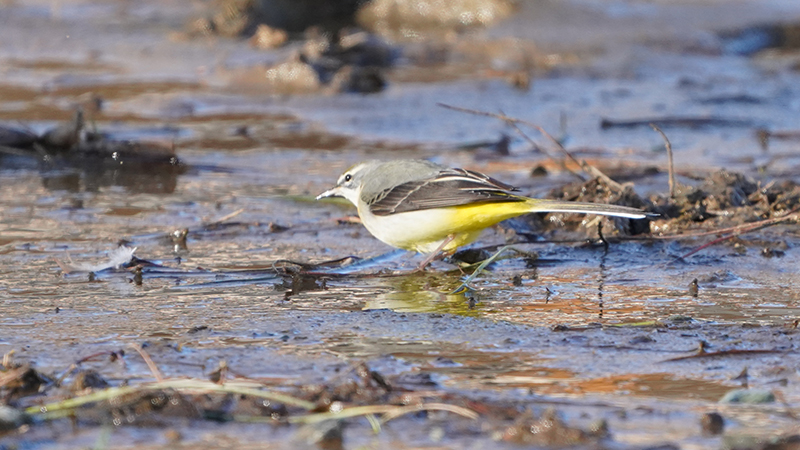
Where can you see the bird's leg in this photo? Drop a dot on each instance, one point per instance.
(435, 253)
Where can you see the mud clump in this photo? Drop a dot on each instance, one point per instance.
(351, 62)
(724, 199)
(357, 385)
(592, 191)
(712, 424)
(14, 138)
(719, 192)
(76, 159)
(395, 19)
(352, 48)
(348, 62)
(550, 431)
(266, 37)
(235, 18)
(754, 39)
(155, 408)
(422, 19)
(88, 379)
(171, 402)
(293, 77)
(20, 380)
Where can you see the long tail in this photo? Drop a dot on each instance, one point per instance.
(543, 205)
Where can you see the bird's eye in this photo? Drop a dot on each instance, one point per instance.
(348, 177)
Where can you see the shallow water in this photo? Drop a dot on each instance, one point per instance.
(585, 329)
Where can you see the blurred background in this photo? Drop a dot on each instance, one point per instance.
(199, 133)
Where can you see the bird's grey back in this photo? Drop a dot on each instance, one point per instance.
(379, 176)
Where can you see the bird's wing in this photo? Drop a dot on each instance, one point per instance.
(450, 187)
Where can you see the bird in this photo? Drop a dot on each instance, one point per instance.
(425, 207)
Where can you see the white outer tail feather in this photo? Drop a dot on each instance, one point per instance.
(542, 205)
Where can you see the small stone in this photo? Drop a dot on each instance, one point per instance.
(643, 339)
(173, 436)
(267, 37)
(88, 379)
(11, 418)
(292, 77)
(539, 171)
(712, 423)
(694, 289)
(747, 396)
(768, 252)
(680, 319)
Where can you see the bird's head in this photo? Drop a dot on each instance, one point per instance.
(350, 183)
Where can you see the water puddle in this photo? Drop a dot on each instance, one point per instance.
(210, 185)
(658, 386)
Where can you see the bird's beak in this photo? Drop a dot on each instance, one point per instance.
(330, 193)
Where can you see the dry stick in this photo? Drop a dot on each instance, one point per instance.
(13, 374)
(671, 169)
(92, 356)
(513, 122)
(735, 231)
(68, 372)
(676, 121)
(224, 218)
(587, 168)
(764, 136)
(739, 230)
(183, 385)
(150, 364)
(7, 359)
(533, 143)
(596, 173)
(723, 353)
(389, 412)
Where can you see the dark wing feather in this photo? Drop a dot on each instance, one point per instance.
(451, 187)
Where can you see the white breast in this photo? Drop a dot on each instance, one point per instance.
(420, 231)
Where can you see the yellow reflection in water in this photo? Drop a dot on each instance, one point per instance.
(423, 293)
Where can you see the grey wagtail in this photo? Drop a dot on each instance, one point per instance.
(429, 208)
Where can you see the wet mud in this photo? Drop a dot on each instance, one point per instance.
(167, 279)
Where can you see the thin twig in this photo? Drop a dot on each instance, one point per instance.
(513, 121)
(600, 235)
(184, 385)
(590, 170)
(402, 410)
(68, 372)
(7, 359)
(597, 173)
(13, 374)
(150, 364)
(691, 122)
(389, 412)
(671, 167)
(533, 143)
(92, 356)
(465, 285)
(224, 218)
(736, 230)
(741, 229)
(734, 352)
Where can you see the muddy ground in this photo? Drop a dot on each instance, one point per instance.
(203, 152)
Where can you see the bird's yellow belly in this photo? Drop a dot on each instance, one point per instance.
(424, 231)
